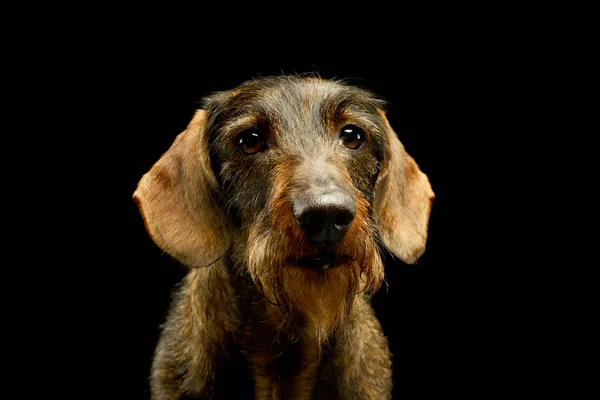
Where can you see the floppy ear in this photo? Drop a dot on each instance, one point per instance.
(402, 203)
(178, 200)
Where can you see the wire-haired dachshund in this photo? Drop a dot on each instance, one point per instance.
(280, 197)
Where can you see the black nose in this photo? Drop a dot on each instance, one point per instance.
(325, 218)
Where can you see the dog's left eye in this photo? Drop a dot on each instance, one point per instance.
(250, 141)
(352, 137)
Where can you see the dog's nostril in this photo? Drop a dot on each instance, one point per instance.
(325, 218)
(312, 221)
(344, 218)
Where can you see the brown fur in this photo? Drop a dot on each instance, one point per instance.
(246, 304)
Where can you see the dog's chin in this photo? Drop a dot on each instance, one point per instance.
(322, 261)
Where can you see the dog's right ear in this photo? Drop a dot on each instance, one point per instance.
(178, 200)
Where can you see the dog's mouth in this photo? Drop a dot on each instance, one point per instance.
(320, 261)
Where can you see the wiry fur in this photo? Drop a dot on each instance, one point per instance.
(247, 310)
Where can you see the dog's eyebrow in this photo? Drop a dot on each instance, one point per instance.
(232, 105)
(351, 104)
(353, 99)
(242, 121)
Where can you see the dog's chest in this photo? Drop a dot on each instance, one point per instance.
(285, 366)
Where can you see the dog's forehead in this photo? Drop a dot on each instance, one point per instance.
(281, 98)
(298, 90)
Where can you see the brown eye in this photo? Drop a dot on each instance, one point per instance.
(352, 137)
(250, 141)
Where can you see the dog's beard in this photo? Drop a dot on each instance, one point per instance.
(311, 301)
(319, 301)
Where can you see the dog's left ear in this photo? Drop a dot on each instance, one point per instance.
(402, 203)
(178, 200)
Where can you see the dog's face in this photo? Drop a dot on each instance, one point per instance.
(298, 180)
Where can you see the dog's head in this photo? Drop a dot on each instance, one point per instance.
(298, 180)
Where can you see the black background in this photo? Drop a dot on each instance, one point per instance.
(495, 103)
(459, 322)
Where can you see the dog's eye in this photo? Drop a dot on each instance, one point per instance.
(352, 137)
(250, 141)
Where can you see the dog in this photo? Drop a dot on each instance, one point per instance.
(280, 197)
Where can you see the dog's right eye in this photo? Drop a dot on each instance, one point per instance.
(250, 141)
